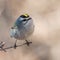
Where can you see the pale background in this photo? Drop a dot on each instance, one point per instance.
(46, 37)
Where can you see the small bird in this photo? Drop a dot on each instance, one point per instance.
(22, 28)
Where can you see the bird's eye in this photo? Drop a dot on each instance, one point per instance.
(24, 20)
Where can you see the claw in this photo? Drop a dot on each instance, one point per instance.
(15, 45)
(28, 43)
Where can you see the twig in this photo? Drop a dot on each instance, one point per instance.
(4, 49)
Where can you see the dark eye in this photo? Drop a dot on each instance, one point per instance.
(24, 20)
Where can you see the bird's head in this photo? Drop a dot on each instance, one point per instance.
(22, 20)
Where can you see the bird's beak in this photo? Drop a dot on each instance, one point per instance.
(28, 19)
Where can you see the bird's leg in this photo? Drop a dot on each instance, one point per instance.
(28, 43)
(15, 44)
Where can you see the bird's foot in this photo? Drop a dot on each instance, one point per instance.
(15, 45)
(28, 43)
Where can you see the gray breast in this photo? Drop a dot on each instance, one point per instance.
(25, 31)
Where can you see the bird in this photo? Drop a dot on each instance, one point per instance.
(22, 28)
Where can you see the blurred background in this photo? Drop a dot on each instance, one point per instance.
(46, 37)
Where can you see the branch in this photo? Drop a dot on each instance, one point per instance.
(4, 49)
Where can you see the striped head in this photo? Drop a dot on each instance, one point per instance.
(22, 20)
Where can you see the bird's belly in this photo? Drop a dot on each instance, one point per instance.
(24, 33)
